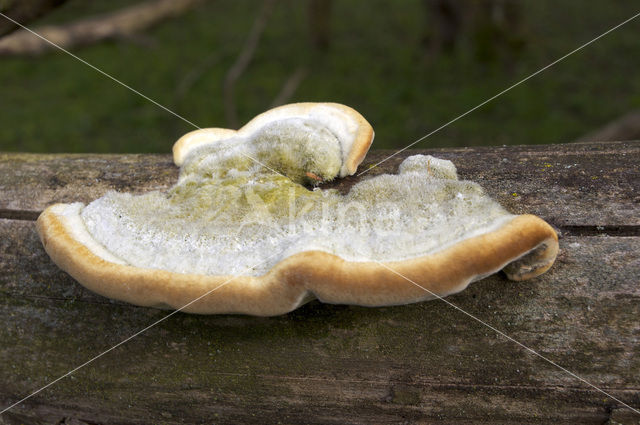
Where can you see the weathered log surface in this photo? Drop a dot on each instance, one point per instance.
(338, 364)
(578, 184)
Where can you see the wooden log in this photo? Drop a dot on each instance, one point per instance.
(338, 364)
(578, 184)
(30, 182)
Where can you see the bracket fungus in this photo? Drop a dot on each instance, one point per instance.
(243, 222)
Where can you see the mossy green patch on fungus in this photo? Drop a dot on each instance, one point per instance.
(239, 201)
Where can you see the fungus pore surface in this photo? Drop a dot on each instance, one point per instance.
(228, 213)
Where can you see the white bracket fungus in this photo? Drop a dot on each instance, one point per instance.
(241, 222)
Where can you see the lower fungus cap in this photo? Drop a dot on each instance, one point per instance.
(228, 225)
(240, 216)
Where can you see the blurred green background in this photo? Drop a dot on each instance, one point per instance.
(381, 57)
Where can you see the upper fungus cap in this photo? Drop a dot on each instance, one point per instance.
(349, 128)
(239, 221)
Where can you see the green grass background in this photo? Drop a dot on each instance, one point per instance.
(53, 103)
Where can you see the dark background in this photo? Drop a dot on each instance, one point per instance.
(407, 66)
